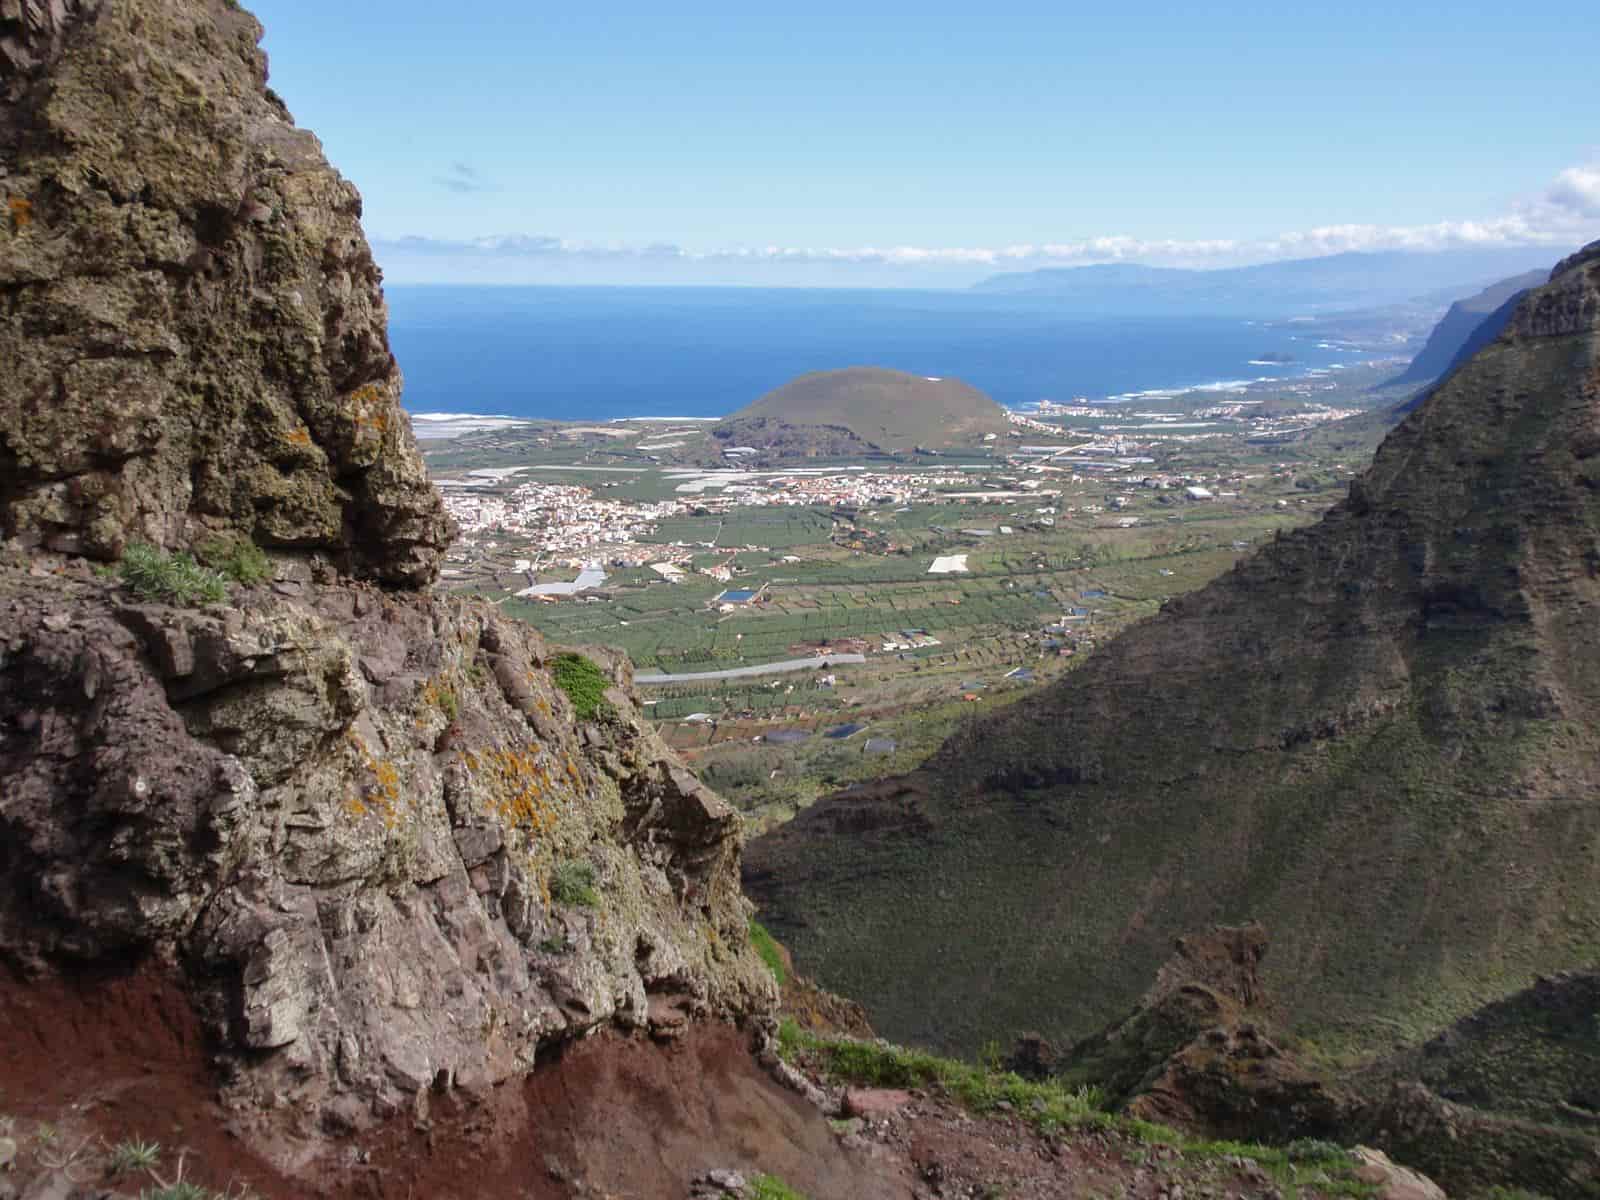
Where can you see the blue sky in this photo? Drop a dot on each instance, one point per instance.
(844, 141)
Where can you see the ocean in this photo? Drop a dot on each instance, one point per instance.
(595, 353)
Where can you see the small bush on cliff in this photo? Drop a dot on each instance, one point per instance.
(767, 948)
(584, 683)
(174, 578)
(573, 883)
(239, 559)
(770, 1187)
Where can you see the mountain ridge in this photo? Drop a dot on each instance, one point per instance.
(1350, 280)
(1467, 327)
(1403, 694)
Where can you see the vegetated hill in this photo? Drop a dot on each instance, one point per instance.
(1505, 1097)
(864, 409)
(1336, 281)
(1380, 735)
(1466, 328)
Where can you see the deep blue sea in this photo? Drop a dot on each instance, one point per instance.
(593, 353)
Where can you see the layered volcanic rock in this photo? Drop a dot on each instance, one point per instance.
(370, 830)
(192, 326)
(360, 828)
(1379, 735)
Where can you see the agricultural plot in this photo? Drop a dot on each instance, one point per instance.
(1049, 577)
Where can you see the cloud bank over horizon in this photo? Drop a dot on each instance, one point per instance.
(1565, 214)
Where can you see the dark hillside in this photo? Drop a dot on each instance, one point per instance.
(1378, 735)
(1468, 327)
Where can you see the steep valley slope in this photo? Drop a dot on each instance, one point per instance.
(1466, 328)
(1378, 735)
(335, 886)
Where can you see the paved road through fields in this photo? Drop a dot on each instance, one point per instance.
(778, 668)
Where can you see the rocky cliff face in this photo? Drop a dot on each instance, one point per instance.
(192, 324)
(1377, 735)
(369, 829)
(377, 844)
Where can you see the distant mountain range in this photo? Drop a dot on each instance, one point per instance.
(1334, 282)
(1470, 325)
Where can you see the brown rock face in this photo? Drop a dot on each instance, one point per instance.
(191, 321)
(367, 830)
(363, 830)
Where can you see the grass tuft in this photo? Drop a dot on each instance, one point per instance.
(1051, 1106)
(239, 559)
(173, 578)
(134, 1155)
(768, 950)
(770, 1187)
(573, 883)
(182, 1190)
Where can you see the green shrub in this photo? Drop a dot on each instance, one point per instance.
(573, 883)
(134, 1155)
(770, 1187)
(240, 559)
(1316, 1150)
(584, 683)
(174, 578)
(768, 950)
(176, 1191)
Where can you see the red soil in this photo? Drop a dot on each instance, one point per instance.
(104, 1059)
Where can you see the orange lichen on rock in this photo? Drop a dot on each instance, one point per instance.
(383, 792)
(521, 786)
(21, 212)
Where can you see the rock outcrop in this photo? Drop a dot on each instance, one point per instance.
(1501, 1097)
(192, 324)
(362, 828)
(369, 829)
(1380, 735)
(1198, 1051)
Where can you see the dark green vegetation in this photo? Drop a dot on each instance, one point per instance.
(864, 409)
(1378, 735)
(240, 559)
(573, 882)
(584, 683)
(1518, 1082)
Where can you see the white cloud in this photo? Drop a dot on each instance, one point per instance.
(1567, 214)
(1577, 189)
